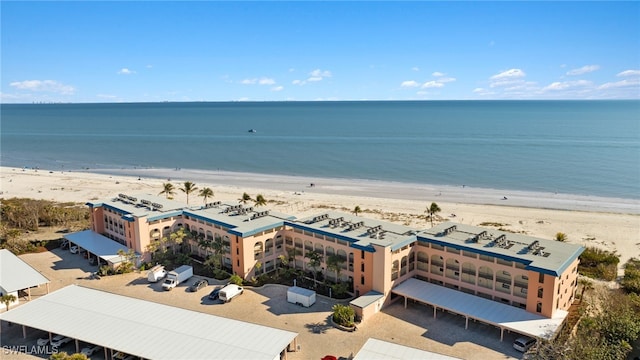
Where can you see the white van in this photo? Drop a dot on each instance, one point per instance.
(523, 344)
(229, 292)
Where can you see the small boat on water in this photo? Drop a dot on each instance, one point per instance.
(253, 131)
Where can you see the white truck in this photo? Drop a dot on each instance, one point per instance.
(177, 276)
(156, 273)
(229, 292)
(301, 296)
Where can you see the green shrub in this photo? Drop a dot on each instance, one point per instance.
(343, 315)
(236, 279)
(631, 280)
(599, 264)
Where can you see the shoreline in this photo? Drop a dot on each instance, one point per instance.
(386, 189)
(606, 223)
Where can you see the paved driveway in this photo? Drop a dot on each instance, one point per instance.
(413, 326)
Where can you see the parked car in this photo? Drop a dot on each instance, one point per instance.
(42, 341)
(64, 244)
(74, 249)
(215, 294)
(60, 340)
(90, 350)
(122, 356)
(198, 284)
(523, 344)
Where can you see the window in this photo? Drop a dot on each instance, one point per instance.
(437, 247)
(362, 267)
(539, 307)
(540, 292)
(541, 278)
(361, 280)
(468, 254)
(361, 254)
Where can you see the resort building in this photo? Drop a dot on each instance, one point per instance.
(373, 257)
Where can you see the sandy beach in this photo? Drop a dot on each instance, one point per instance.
(608, 223)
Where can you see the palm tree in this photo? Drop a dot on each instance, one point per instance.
(168, 190)
(7, 299)
(245, 198)
(260, 200)
(586, 285)
(293, 252)
(432, 210)
(357, 210)
(334, 262)
(315, 258)
(188, 187)
(206, 193)
(562, 237)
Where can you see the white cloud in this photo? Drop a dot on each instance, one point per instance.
(277, 88)
(314, 76)
(629, 73)
(583, 70)
(564, 85)
(44, 85)
(415, 68)
(478, 90)
(266, 81)
(509, 74)
(509, 78)
(409, 84)
(437, 74)
(432, 84)
(446, 80)
(125, 71)
(320, 73)
(261, 81)
(620, 84)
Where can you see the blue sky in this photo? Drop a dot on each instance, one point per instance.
(276, 51)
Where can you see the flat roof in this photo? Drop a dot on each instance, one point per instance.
(239, 219)
(140, 205)
(541, 255)
(98, 245)
(484, 310)
(359, 231)
(375, 349)
(366, 299)
(147, 329)
(15, 274)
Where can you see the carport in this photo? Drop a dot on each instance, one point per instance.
(98, 245)
(16, 275)
(147, 329)
(476, 308)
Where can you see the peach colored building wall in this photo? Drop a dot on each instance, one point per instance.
(380, 270)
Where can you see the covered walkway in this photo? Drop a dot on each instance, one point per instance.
(481, 309)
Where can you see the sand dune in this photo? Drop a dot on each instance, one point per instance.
(612, 224)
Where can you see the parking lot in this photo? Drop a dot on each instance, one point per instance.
(414, 326)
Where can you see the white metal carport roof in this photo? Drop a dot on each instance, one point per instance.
(98, 245)
(147, 329)
(15, 274)
(481, 309)
(375, 349)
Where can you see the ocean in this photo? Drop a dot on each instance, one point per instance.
(570, 147)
